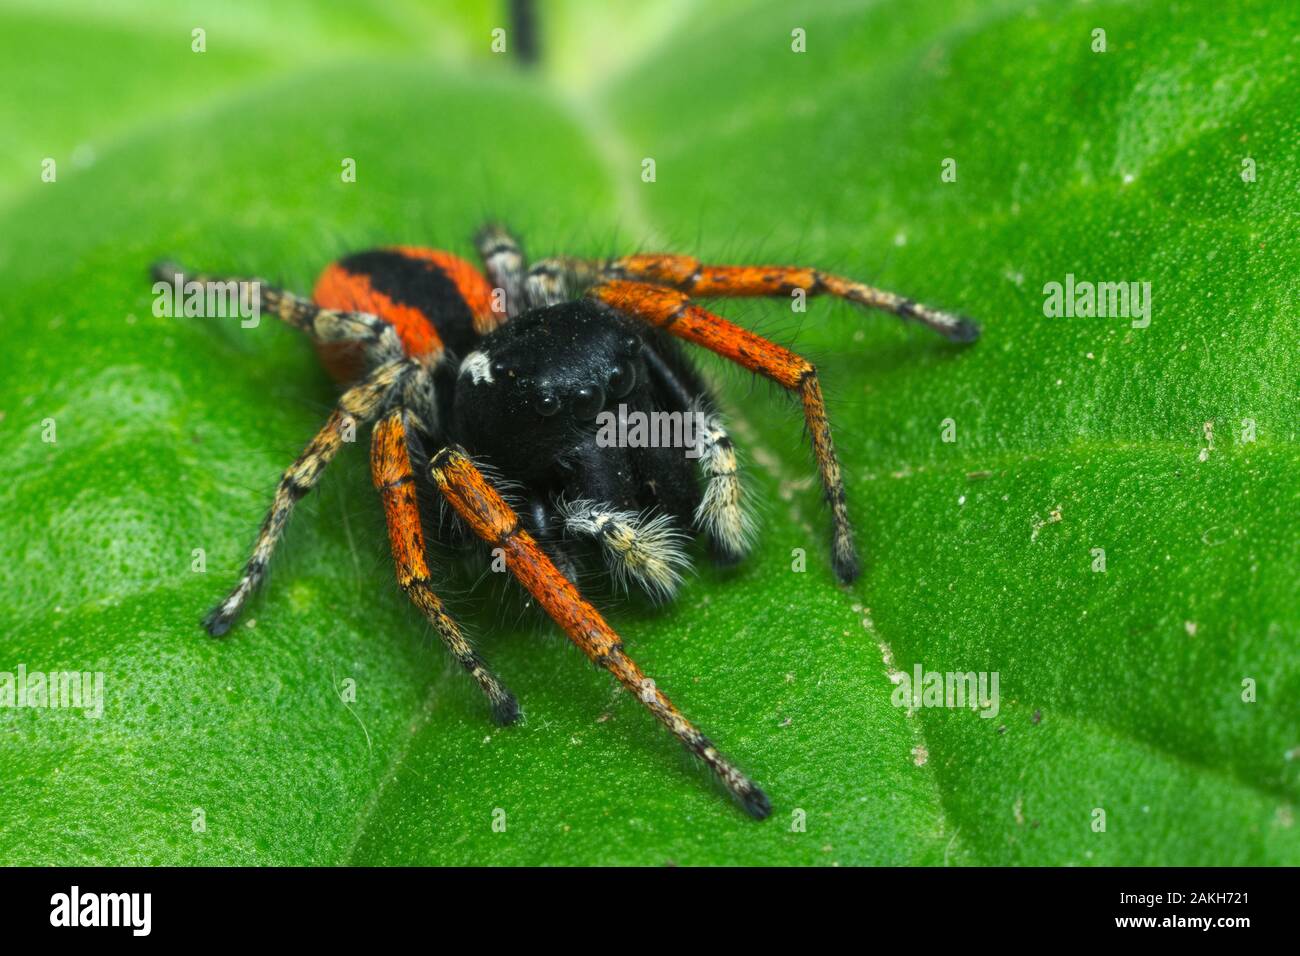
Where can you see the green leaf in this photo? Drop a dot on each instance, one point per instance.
(1120, 691)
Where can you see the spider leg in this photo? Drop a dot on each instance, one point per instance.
(600, 503)
(377, 338)
(557, 279)
(357, 405)
(672, 311)
(390, 468)
(687, 274)
(503, 261)
(646, 549)
(488, 515)
(722, 511)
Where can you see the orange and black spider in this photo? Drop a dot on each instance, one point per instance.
(513, 372)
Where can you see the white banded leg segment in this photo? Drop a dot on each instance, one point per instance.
(376, 337)
(647, 550)
(958, 328)
(559, 279)
(503, 261)
(357, 406)
(723, 513)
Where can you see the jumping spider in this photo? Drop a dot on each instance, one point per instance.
(511, 371)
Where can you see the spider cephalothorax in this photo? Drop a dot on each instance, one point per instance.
(543, 377)
(531, 392)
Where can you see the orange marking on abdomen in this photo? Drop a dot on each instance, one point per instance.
(469, 282)
(349, 292)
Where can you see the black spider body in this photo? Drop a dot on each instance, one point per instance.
(531, 401)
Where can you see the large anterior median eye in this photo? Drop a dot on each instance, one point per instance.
(588, 401)
(546, 405)
(622, 380)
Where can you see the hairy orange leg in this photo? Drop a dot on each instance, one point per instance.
(672, 311)
(390, 467)
(488, 515)
(687, 274)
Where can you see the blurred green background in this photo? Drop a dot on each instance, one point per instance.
(1121, 691)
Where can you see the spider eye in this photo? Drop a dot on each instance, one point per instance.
(546, 405)
(588, 401)
(499, 368)
(622, 380)
(632, 345)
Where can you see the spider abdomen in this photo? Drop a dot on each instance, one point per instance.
(435, 300)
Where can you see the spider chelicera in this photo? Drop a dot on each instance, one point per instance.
(511, 372)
